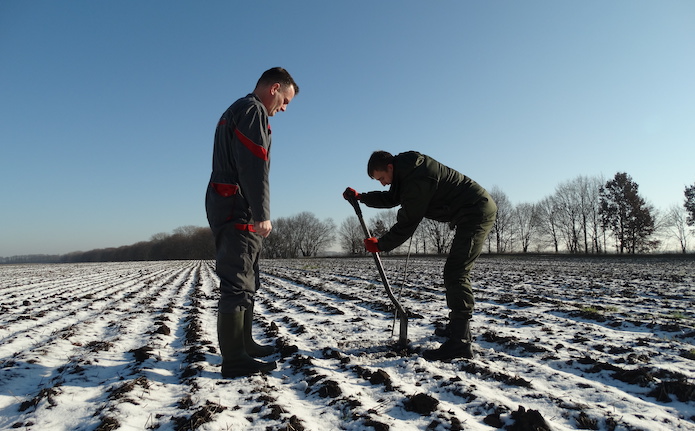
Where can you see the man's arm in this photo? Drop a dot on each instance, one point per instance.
(252, 156)
(378, 199)
(415, 201)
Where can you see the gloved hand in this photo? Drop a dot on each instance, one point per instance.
(350, 193)
(372, 245)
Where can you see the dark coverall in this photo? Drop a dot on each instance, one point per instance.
(425, 188)
(237, 195)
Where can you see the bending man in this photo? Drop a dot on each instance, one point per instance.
(425, 188)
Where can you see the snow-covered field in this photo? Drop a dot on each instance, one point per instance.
(561, 344)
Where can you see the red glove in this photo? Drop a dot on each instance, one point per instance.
(372, 245)
(350, 193)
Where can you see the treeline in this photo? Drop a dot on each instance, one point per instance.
(302, 235)
(585, 215)
(185, 243)
(588, 215)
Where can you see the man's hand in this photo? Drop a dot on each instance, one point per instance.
(263, 228)
(372, 245)
(350, 193)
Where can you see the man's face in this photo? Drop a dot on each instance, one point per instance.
(277, 98)
(384, 177)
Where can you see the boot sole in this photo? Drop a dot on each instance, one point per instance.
(230, 372)
(260, 351)
(436, 355)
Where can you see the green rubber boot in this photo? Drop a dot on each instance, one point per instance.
(236, 362)
(252, 348)
(457, 346)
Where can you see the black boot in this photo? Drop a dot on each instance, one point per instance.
(235, 361)
(252, 348)
(443, 331)
(457, 346)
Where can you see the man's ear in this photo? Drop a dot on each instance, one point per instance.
(275, 88)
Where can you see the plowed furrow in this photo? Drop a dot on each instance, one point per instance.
(108, 350)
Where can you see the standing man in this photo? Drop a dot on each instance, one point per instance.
(423, 188)
(237, 203)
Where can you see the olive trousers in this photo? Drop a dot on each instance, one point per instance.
(465, 249)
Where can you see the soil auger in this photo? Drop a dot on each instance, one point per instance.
(400, 311)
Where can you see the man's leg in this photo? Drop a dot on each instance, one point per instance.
(237, 265)
(236, 257)
(235, 252)
(252, 348)
(465, 249)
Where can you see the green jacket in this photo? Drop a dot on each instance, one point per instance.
(425, 188)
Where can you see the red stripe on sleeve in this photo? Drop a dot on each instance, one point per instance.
(256, 150)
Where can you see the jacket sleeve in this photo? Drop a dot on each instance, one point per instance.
(415, 200)
(252, 157)
(385, 199)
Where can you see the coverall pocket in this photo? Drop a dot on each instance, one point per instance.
(225, 190)
(220, 205)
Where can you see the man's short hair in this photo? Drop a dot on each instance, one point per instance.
(379, 161)
(279, 75)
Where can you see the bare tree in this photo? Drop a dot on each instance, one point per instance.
(302, 234)
(548, 222)
(313, 235)
(283, 242)
(590, 213)
(525, 224)
(439, 234)
(159, 236)
(502, 230)
(188, 230)
(421, 240)
(569, 208)
(571, 216)
(676, 223)
(351, 236)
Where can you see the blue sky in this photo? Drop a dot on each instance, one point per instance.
(108, 109)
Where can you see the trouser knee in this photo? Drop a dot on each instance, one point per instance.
(237, 267)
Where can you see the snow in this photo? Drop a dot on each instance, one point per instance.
(588, 343)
